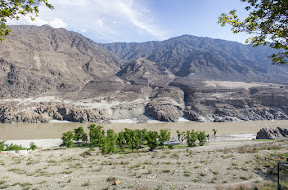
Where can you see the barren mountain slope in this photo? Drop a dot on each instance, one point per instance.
(35, 59)
(145, 72)
(207, 59)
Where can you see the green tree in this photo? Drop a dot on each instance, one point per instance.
(67, 139)
(164, 136)
(127, 133)
(141, 135)
(12, 9)
(111, 140)
(2, 145)
(95, 134)
(132, 138)
(214, 132)
(134, 142)
(33, 146)
(79, 134)
(268, 21)
(121, 140)
(191, 138)
(202, 138)
(152, 139)
(103, 145)
(180, 135)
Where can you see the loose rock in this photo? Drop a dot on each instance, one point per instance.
(268, 133)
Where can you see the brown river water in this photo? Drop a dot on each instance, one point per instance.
(23, 131)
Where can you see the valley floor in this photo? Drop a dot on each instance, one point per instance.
(217, 165)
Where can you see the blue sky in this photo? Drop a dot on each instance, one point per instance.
(140, 20)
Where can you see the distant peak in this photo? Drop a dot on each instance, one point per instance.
(46, 26)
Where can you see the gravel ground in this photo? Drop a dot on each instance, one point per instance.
(217, 165)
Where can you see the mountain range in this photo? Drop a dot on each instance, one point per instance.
(48, 73)
(206, 58)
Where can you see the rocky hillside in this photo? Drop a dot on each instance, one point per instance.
(54, 74)
(145, 72)
(35, 60)
(206, 59)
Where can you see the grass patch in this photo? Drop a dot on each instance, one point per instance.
(111, 179)
(85, 184)
(17, 171)
(187, 173)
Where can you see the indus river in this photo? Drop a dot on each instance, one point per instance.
(25, 131)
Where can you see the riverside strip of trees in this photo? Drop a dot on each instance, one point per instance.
(129, 139)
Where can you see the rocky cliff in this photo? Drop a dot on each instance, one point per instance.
(54, 74)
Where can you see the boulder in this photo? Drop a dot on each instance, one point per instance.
(164, 112)
(117, 182)
(268, 133)
(193, 116)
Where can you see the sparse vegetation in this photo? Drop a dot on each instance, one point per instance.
(33, 146)
(7, 147)
(111, 179)
(191, 165)
(214, 132)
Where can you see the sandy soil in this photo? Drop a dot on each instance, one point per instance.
(217, 165)
(230, 84)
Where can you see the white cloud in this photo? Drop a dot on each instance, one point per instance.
(57, 23)
(26, 20)
(104, 20)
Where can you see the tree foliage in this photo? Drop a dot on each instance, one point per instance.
(181, 136)
(132, 138)
(103, 145)
(202, 138)
(80, 135)
(7, 147)
(96, 134)
(33, 146)
(13, 9)
(108, 143)
(268, 21)
(164, 136)
(111, 140)
(152, 139)
(121, 140)
(191, 137)
(214, 132)
(67, 139)
(141, 135)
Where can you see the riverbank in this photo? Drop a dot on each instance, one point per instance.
(53, 143)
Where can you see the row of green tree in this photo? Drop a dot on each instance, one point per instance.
(134, 139)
